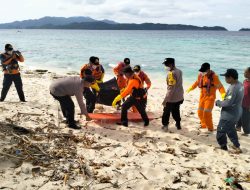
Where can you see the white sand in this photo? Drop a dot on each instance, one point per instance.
(129, 158)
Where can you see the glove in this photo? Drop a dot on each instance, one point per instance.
(117, 99)
(99, 81)
(223, 95)
(189, 89)
(95, 87)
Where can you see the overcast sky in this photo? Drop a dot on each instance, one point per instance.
(232, 14)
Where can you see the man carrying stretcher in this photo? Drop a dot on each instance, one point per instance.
(135, 89)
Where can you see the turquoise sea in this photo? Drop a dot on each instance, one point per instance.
(68, 50)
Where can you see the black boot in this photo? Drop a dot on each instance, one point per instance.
(125, 124)
(74, 126)
(146, 123)
(224, 148)
(178, 125)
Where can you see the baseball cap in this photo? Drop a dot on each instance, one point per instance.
(137, 68)
(231, 73)
(127, 61)
(168, 61)
(204, 67)
(8, 47)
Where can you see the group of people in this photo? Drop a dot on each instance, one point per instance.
(234, 103)
(133, 84)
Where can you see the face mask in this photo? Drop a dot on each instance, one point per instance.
(204, 73)
(9, 52)
(94, 66)
(167, 68)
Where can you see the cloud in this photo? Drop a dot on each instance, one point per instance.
(95, 2)
(231, 13)
(86, 2)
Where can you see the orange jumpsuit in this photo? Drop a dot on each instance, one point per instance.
(121, 80)
(208, 85)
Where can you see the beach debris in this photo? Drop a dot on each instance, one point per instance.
(177, 139)
(202, 185)
(143, 176)
(66, 178)
(233, 183)
(138, 136)
(53, 154)
(188, 150)
(99, 165)
(177, 178)
(36, 171)
(202, 170)
(137, 146)
(104, 179)
(128, 153)
(169, 151)
(234, 178)
(40, 71)
(100, 147)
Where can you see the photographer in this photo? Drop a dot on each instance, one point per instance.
(9, 61)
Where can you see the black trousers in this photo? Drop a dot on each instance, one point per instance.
(173, 108)
(90, 99)
(244, 122)
(68, 108)
(7, 82)
(140, 106)
(227, 128)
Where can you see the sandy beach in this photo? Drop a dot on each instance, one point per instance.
(38, 151)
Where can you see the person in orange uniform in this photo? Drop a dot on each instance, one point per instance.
(95, 69)
(121, 80)
(9, 61)
(144, 78)
(208, 82)
(135, 89)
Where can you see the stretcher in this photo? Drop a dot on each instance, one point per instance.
(116, 117)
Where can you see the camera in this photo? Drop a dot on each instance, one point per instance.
(18, 53)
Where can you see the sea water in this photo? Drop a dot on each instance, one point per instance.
(68, 50)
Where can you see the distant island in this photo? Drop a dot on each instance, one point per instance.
(87, 23)
(244, 29)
